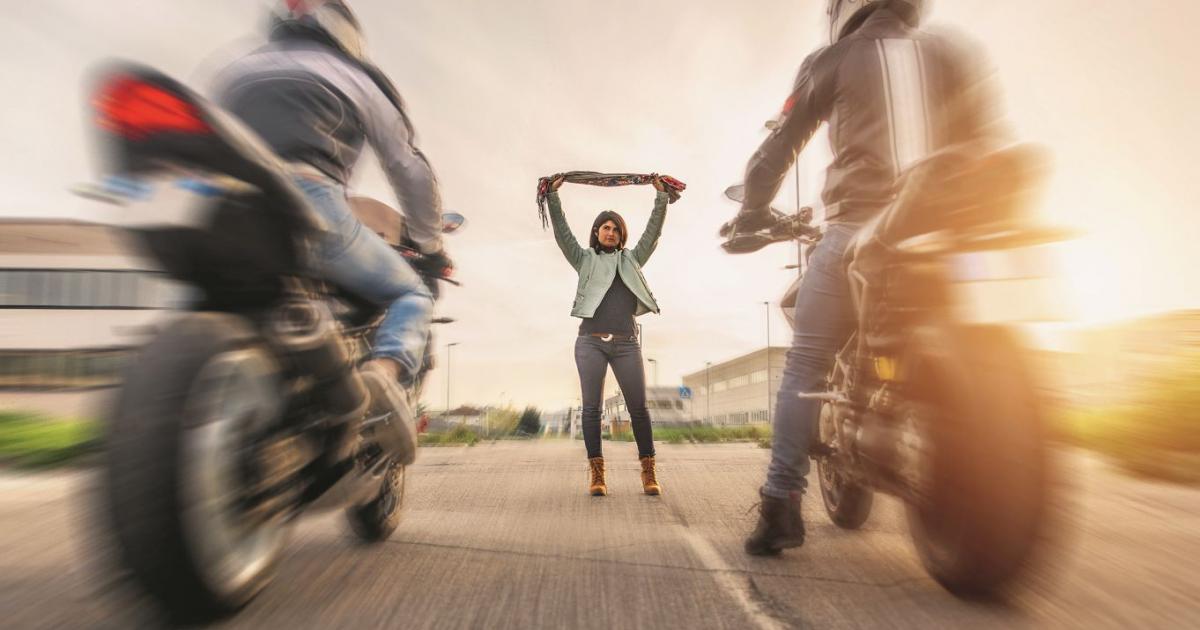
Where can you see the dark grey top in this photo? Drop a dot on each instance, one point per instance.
(615, 313)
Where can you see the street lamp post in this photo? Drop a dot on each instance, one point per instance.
(707, 393)
(768, 311)
(448, 346)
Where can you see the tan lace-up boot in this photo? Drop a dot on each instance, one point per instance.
(649, 479)
(596, 485)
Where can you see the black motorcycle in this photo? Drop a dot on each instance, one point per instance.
(246, 411)
(932, 398)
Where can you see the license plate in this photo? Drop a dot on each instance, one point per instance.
(160, 202)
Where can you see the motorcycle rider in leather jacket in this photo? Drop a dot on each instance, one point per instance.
(891, 93)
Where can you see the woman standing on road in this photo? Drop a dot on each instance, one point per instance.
(610, 293)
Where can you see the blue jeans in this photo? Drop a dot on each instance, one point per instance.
(824, 321)
(359, 261)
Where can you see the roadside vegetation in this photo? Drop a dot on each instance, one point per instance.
(1155, 432)
(705, 435)
(458, 436)
(530, 423)
(500, 424)
(31, 441)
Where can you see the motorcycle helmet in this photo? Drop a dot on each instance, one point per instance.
(332, 19)
(847, 15)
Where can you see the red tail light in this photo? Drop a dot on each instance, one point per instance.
(136, 109)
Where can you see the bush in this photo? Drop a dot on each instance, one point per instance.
(530, 423)
(502, 421)
(1153, 433)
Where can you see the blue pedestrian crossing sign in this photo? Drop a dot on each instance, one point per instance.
(685, 392)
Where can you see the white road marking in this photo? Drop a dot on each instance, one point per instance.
(730, 580)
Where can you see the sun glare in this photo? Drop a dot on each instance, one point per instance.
(1098, 282)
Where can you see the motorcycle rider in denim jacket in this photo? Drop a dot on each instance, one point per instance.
(314, 97)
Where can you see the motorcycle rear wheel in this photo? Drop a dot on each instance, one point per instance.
(980, 523)
(174, 438)
(847, 503)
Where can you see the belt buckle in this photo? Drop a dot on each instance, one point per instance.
(606, 338)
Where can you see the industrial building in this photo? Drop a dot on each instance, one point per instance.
(74, 301)
(739, 391)
(667, 406)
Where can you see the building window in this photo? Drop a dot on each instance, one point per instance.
(739, 381)
(61, 370)
(719, 386)
(759, 377)
(88, 289)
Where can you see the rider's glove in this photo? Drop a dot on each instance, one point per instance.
(435, 265)
(748, 221)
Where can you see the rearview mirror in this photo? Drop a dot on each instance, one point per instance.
(452, 222)
(736, 192)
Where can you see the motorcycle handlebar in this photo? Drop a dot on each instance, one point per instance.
(787, 228)
(413, 255)
(746, 243)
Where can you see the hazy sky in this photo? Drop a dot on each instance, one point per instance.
(503, 92)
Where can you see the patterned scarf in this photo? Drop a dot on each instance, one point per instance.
(592, 178)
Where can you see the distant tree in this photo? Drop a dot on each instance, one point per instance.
(531, 421)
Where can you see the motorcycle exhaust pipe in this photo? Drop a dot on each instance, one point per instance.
(875, 441)
(308, 333)
(893, 455)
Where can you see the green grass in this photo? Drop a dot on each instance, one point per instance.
(29, 440)
(458, 436)
(705, 435)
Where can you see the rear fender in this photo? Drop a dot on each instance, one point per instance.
(192, 134)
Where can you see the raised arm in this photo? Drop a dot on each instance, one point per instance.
(649, 241)
(562, 232)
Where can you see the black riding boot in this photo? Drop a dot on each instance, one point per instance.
(780, 526)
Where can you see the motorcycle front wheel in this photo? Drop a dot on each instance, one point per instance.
(375, 520)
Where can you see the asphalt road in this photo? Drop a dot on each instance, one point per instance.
(503, 536)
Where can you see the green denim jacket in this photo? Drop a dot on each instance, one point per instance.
(597, 270)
